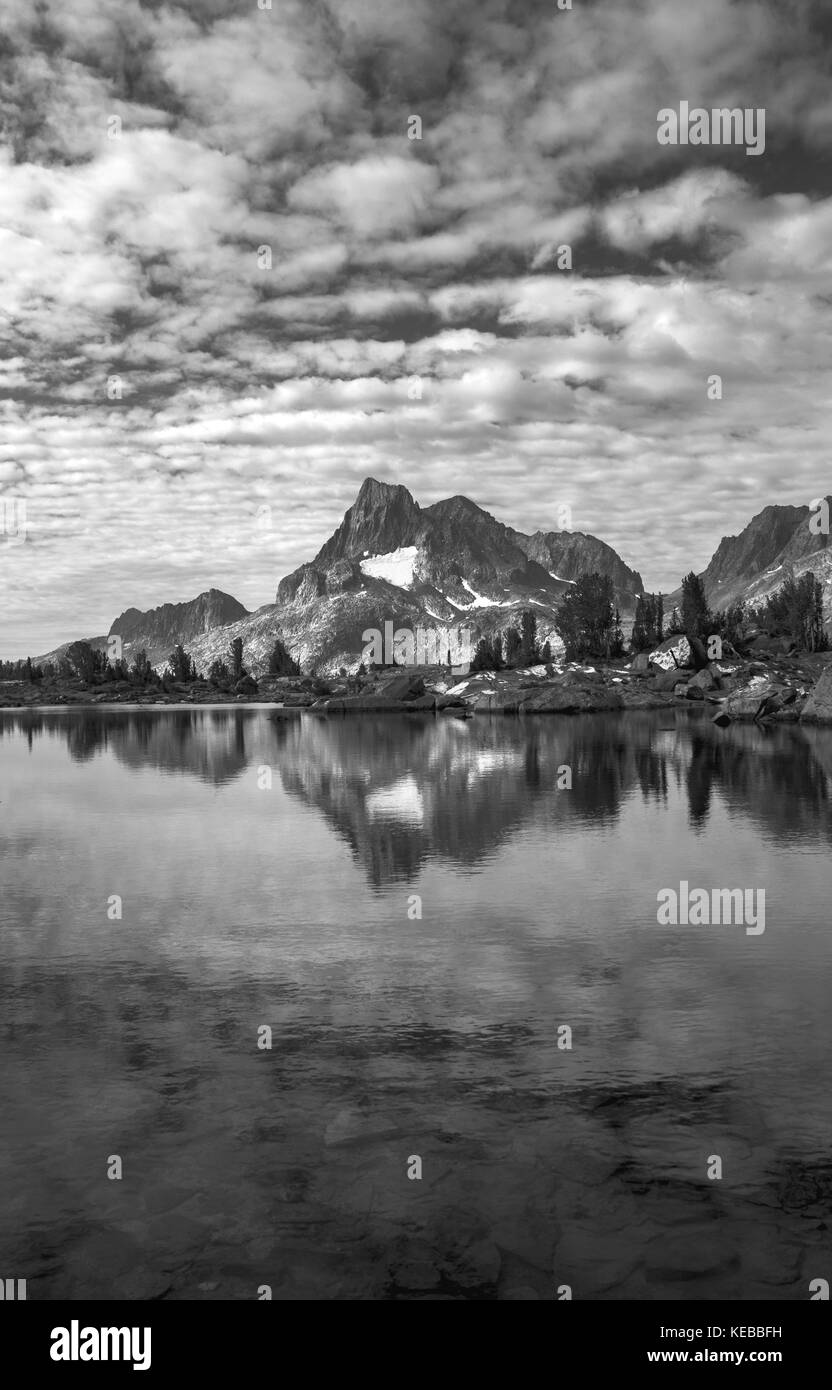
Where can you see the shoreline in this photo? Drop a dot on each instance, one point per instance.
(779, 689)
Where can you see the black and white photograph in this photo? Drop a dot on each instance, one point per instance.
(416, 660)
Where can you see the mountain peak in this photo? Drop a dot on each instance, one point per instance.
(159, 629)
(459, 506)
(373, 493)
(383, 517)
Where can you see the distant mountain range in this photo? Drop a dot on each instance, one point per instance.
(177, 622)
(158, 630)
(448, 565)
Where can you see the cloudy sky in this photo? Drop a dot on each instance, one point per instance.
(254, 400)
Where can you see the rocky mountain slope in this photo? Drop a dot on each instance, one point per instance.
(443, 567)
(158, 630)
(452, 554)
(446, 568)
(752, 565)
(57, 653)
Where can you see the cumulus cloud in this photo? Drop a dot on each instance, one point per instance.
(372, 197)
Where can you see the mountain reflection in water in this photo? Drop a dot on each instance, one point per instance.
(392, 1034)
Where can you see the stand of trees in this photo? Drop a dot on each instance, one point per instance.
(519, 648)
(731, 622)
(225, 674)
(218, 672)
(648, 624)
(697, 619)
(235, 652)
(93, 666)
(181, 666)
(488, 654)
(588, 620)
(86, 664)
(25, 670)
(141, 672)
(794, 611)
(280, 662)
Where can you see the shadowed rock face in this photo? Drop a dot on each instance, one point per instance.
(383, 517)
(570, 554)
(756, 547)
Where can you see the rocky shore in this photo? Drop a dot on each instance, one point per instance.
(784, 690)
(772, 686)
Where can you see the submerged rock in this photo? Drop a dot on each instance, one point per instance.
(358, 704)
(422, 702)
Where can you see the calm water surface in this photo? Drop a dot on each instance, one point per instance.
(288, 906)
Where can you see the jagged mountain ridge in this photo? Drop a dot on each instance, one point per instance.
(158, 630)
(461, 551)
(752, 565)
(452, 563)
(448, 565)
(571, 554)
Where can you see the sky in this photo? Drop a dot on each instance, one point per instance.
(177, 414)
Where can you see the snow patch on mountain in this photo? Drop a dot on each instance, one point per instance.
(397, 566)
(479, 601)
